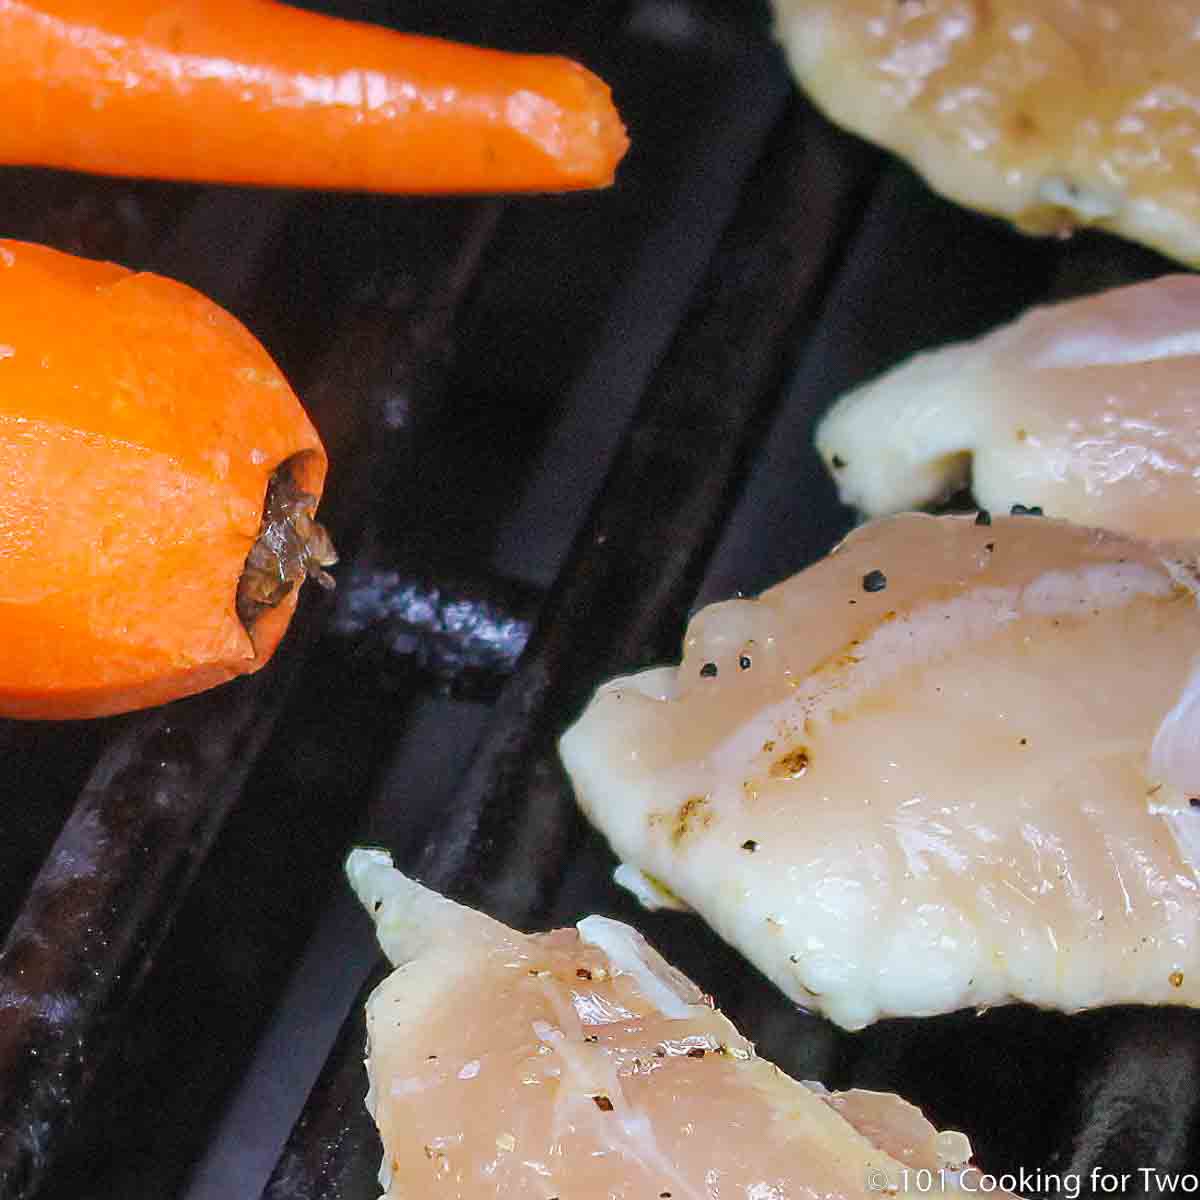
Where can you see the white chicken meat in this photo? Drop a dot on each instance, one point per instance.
(1052, 113)
(1089, 409)
(578, 1065)
(917, 776)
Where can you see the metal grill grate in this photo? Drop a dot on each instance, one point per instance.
(556, 425)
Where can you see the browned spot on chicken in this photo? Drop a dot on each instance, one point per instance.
(792, 765)
(694, 813)
(839, 660)
(1048, 220)
(1024, 125)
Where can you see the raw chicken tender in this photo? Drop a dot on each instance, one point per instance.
(1052, 113)
(1089, 408)
(916, 776)
(578, 1065)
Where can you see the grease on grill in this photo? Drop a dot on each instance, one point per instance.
(290, 548)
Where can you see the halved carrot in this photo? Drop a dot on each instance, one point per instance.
(140, 429)
(254, 92)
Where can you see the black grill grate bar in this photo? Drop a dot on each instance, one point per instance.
(103, 899)
(462, 632)
(333, 1151)
(1136, 1109)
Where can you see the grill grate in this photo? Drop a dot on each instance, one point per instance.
(555, 424)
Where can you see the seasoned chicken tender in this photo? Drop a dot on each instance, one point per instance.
(1051, 113)
(579, 1065)
(1089, 409)
(916, 777)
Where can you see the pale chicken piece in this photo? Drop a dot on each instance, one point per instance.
(1051, 113)
(916, 776)
(1089, 409)
(579, 1065)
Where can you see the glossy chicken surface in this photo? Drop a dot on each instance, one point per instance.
(916, 777)
(578, 1064)
(1052, 113)
(1088, 408)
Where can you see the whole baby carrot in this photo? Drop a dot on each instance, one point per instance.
(254, 92)
(159, 482)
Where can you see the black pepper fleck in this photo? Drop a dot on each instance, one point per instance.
(1022, 510)
(1194, 801)
(874, 581)
(990, 547)
(750, 844)
(583, 973)
(838, 462)
(744, 662)
(983, 517)
(708, 671)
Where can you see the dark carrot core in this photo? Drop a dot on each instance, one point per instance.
(291, 547)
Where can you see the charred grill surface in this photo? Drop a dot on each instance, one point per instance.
(555, 424)
(457, 630)
(104, 898)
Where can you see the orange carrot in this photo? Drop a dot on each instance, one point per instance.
(140, 427)
(254, 92)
